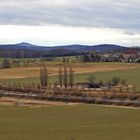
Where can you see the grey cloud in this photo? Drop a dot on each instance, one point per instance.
(131, 33)
(87, 13)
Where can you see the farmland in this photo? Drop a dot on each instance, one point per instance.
(76, 122)
(61, 121)
(102, 71)
(79, 68)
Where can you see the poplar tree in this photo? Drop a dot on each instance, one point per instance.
(60, 77)
(44, 76)
(65, 76)
(71, 77)
(41, 76)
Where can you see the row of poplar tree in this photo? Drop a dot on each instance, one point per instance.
(65, 76)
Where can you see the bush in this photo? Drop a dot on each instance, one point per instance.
(6, 64)
(115, 81)
(91, 79)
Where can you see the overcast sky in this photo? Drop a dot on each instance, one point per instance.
(56, 22)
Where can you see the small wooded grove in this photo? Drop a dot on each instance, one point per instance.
(65, 77)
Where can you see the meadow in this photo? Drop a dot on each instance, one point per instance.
(79, 68)
(69, 122)
(102, 71)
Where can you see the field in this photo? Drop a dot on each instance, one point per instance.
(79, 68)
(102, 71)
(75, 122)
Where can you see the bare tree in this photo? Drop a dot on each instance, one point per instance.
(71, 77)
(65, 76)
(41, 76)
(44, 76)
(134, 88)
(55, 85)
(60, 77)
(123, 82)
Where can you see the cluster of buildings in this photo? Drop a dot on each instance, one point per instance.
(131, 56)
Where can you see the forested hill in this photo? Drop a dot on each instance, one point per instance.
(24, 49)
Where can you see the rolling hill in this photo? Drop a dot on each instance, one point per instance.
(75, 47)
(30, 50)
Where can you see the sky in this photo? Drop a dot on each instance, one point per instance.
(61, 22)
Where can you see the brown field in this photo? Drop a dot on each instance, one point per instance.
(10, 101)
(30, 102)
(53, 69)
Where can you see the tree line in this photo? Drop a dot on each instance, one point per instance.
(65, 77)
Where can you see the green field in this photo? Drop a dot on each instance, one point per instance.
(132, 76)
(76, 122)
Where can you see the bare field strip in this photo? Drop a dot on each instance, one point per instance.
(30, 102)
(10, 101)
(13, 73)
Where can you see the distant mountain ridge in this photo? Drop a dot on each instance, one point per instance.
(26, 50)
(74, 47)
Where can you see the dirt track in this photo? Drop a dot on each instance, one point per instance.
(30, 102)
(8, 101)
